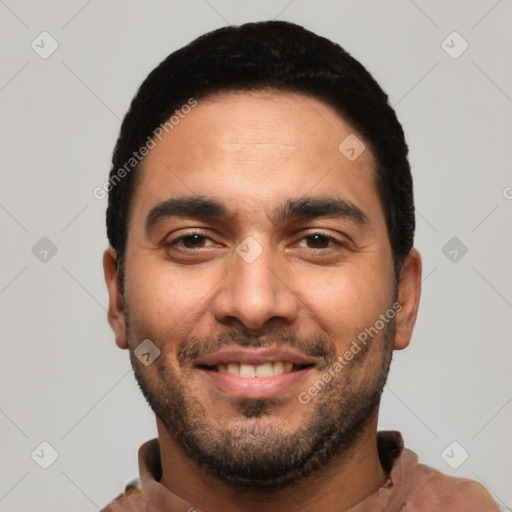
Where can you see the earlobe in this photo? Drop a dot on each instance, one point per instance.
(116, 313)
(409, 291)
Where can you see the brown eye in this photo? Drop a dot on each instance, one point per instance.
(318, 241)
(193, 241)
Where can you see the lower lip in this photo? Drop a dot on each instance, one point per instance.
(255, 387)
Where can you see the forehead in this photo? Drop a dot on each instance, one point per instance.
(254, 148)
(237, 124)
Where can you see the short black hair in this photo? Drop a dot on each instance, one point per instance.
(274, 55)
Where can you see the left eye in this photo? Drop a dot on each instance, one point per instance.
(193, 241)
(319, 241)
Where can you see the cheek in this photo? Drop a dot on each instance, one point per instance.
(163, 299)
(345, 300)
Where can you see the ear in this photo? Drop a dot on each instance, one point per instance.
(408, 296)
(116, 313)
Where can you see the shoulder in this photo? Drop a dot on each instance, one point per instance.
(434, 490)
(462, 494)
(131, 500)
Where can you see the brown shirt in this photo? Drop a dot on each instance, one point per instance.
(411, 487)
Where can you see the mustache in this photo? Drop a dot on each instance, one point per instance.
(315, 346)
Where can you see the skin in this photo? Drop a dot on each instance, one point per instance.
(253, 152)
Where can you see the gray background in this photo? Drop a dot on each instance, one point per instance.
(64, 381)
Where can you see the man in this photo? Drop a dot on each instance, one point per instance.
(261, 273)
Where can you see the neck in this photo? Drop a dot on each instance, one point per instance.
(346, 481)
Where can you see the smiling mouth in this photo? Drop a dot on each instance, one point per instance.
(261, 371)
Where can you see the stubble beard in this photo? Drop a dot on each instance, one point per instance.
(253, 453)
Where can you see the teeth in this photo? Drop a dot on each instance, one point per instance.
(278, 368)
(263, 371)
(233, 369)
(247, 371)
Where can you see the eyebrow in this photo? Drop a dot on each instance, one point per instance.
(315, 207)
(189, 206)
(293, 209)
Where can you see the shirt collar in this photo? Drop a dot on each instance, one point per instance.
(390, 447)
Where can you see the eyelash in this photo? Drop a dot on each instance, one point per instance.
(329, 239)
(198, 232)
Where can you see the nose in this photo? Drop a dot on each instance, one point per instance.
(254, 292)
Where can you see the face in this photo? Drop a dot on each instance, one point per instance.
(257, 257)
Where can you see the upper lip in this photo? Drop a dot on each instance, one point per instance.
(254, 356)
